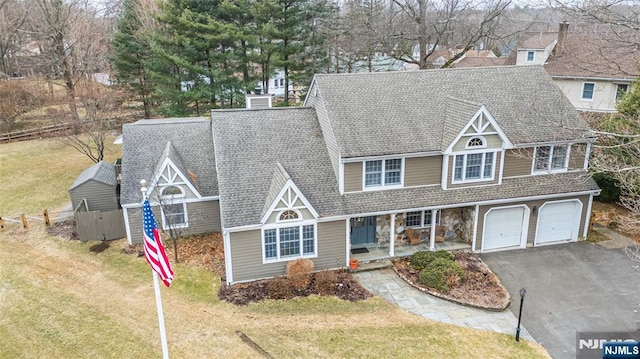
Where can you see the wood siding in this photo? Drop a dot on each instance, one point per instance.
(246, 252)
(496, 174)
(422, 171)
(100, 196)
(327, 131)
(100, 225)
(518, 162)
(203, 217)
(533, 219)
(353, 177)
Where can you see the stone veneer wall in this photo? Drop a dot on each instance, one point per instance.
(459, 220)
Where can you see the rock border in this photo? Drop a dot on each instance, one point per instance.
(453, 300)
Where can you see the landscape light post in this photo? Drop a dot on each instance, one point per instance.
(522, 293)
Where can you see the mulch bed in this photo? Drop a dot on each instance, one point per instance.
(342, 286)
(482, 289)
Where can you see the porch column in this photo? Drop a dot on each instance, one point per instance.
(392, 235)
(432, 235)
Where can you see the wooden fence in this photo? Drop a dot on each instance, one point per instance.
(97, 225)
(46, 217)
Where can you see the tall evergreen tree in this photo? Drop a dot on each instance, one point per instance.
(131, 53)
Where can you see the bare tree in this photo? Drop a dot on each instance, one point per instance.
(12, 17)
(442, 24)
(16, 99)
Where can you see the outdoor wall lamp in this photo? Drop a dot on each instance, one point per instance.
(535, 210)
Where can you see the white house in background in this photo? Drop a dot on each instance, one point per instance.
(593, 69)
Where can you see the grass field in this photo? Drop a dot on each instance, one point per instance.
(60, 299)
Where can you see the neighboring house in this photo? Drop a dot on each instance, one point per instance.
(481, 62)
(96, 188)
(469, 158)
(593, 69)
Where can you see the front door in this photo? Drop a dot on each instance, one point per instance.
(363, 231)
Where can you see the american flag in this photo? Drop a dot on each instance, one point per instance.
(153, 248)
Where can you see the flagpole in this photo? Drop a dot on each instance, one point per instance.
(156, 287)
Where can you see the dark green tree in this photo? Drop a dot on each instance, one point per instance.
(131, 55)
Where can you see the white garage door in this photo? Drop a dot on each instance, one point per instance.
(558, 221)
(503, 228)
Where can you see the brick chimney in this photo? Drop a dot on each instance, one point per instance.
(562, 38)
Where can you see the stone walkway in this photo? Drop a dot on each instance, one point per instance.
(386, 284)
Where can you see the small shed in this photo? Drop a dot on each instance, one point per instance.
(98, 186)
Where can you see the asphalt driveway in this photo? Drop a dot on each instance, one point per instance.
(570, 288)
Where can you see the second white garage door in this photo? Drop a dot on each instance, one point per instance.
(558, 221)
(503, 228)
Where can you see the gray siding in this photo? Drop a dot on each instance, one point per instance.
(353, 177)
(518, 162)
(496, 174)
(421, 171)
(576, 157)
(533, 219)
(100, 196)
(203, 217)
(246, 252)
(327, 132)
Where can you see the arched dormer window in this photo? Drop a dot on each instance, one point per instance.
(476, 142)
(288, 215)
(172, 192)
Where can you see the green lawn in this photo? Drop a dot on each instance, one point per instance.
(59, 299)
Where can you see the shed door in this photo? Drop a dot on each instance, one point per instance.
(503, 228)
(558, 221)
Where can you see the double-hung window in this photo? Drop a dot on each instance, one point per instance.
(421, 218)
(531, 56)
(587, 91)
(551, 158)
(473, 167)
(383, 173)
(289, 240)
(173, 208)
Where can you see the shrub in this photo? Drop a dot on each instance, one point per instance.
(421, 259)
(326, 282)
(278, 288)
(441, 274)
(609, 185)
(299, 273)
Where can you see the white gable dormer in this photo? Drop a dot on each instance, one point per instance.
(482, 131)
(169, 175)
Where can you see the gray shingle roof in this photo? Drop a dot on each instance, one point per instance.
(145, 145)
(403, 112)
(249, 144)
(102, 171)
(279, 179)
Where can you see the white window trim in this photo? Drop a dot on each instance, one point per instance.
(293, 209)
(533, 59)
(484, 142)
(565, 168)
(382, 174)
(165, 225)
(464, 167)
(280, 225)
(593, 92)
(422, 217)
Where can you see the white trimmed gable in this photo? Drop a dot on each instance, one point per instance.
(482, 131)
(170, 175)
(289, 204)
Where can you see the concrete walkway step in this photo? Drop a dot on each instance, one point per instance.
(373, 265)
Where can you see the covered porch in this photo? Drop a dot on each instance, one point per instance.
(401, 234)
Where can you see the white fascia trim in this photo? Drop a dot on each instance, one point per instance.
(483, 110)
(168, 162)
(295, 188)
(587, 219)
(306, 99)
(587, 78)
(227, 258)
(185, 200)
(127, 225)
(386, 157)
(341, 176)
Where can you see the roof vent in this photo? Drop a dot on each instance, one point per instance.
(258, 101)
